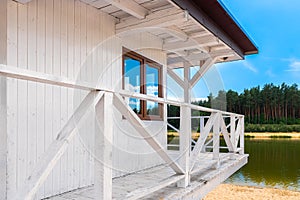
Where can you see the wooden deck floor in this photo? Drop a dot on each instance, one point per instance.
(160, 182)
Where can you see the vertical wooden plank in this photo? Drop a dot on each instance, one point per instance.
(31, 92)
(56, 90)
(3, 102)
(103, 148)
(83, 73)
(22, 95)
(48, 88)
(41, 54)
(70, 151)
(89, 68)
(12, 99)
(76, 164)
(64, 91)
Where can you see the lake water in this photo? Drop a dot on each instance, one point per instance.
(272, 163)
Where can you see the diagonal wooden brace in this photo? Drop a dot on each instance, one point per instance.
(138, 125)
(44, 167)
(200, 142)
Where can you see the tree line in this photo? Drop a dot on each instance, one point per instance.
(270, 104)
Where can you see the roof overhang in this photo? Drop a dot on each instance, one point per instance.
(217, 19)
(190, 31)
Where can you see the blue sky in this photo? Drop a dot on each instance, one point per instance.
(274, 26)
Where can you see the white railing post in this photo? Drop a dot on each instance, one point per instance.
(103, 147)
(242, 136)
(185, 138)
(201, 124)
(216, 138)
(185, 143)
(232, 131)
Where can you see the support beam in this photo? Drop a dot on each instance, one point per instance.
(139, 126)
(192, 43)
(103, 148)
(171, 30)
(185, 130)
(203, 69)
(158, 19)
(176, 32)
(23, 1)
(176, 78)
(200, 56)
(56, 149)
(131, 7)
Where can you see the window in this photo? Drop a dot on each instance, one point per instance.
(142, 75)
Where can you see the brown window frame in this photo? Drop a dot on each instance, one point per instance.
(144, 61)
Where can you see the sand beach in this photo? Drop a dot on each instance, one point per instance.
(234, 192)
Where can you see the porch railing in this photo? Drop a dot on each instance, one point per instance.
(103, 101)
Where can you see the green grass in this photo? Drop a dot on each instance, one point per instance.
(273, 128)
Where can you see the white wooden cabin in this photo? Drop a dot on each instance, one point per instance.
(73, 127)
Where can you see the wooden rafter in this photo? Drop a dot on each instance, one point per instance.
(23, 1)
(131, 7)
(162, 18)
(191, 43)
(57, 148)
(200, 56)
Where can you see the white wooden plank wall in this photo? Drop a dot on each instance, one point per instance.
(133, 153)
(55, 37)
(3, 102)
(71, 39)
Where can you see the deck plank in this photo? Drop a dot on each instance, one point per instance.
(145, 184)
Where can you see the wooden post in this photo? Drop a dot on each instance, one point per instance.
(232, 131)
(185, 130)
(185, 143)
(216, 139)
(3, 103)
(201, 124)
(242, 136)
(103, 148)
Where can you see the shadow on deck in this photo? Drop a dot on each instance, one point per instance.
(160, 182)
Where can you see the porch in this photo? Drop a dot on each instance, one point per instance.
(191, 172)
(160, 182)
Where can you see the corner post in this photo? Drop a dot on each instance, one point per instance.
(232, 131)
(103, 147)
(242, 136)
(185, 130)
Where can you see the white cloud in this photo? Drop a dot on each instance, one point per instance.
(294, 66)
(249, 66)
(270, 73)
